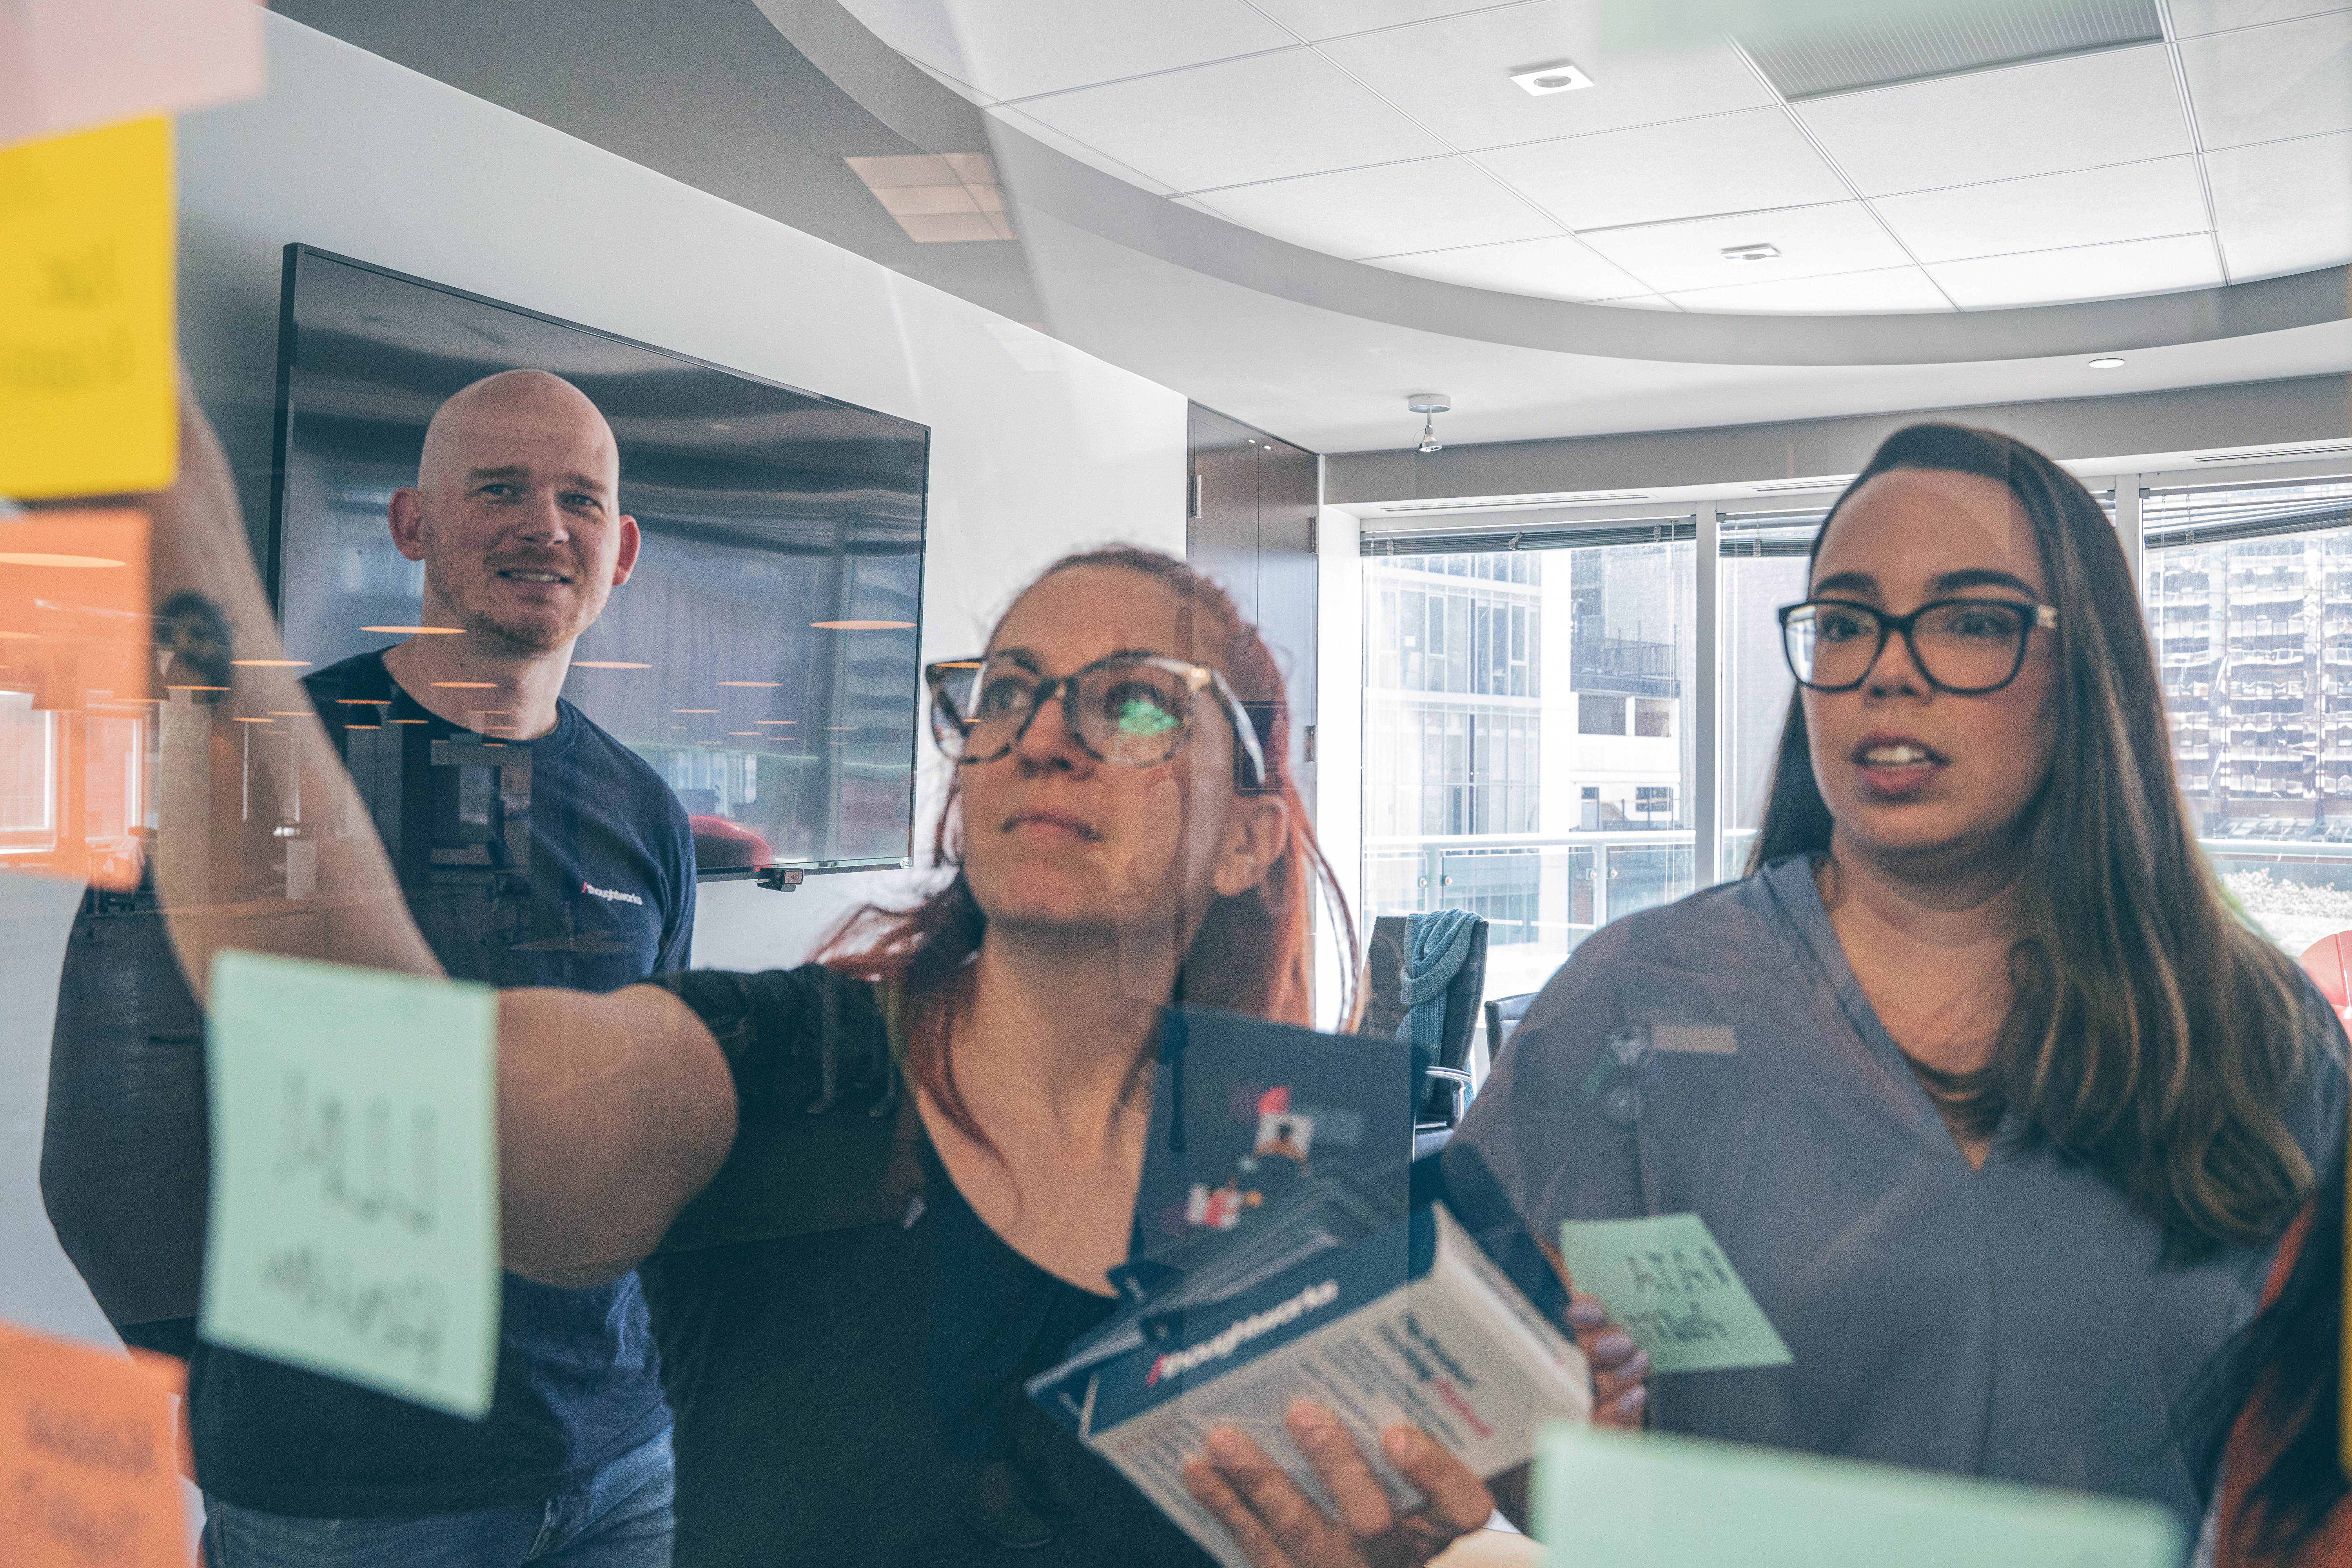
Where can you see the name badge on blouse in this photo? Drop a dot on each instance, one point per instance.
(1634, 1044)
(1696, 1039)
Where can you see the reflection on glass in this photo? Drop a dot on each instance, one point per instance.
(2249, 598)
(767, 514)
(1527, 755)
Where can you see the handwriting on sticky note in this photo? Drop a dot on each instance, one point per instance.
(1605, 1499)
(1666, 1282)
(87, 399)
(87, 1473)
(354, 1193)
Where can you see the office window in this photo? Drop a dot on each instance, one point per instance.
(2249, 600)
(1600, 715)
(1523, 756)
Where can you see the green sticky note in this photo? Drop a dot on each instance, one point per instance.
(1666, 1283)
(1645, 1499)
(354, 1226)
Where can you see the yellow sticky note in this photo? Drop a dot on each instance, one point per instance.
(87, 391)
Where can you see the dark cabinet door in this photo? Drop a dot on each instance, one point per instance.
(1252, 531)
(1285, 588)
(1223, 532)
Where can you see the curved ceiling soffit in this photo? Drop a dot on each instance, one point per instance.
(935, 117)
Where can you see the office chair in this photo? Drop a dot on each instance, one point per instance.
(1503, 1016)
(1384, 1011)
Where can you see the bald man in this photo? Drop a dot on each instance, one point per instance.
(458, 739)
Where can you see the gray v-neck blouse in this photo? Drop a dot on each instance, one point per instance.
(2013, 1321)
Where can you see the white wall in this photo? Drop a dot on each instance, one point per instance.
(1037, 449)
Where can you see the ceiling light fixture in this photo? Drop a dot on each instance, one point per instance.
(1751, 252)
(1429, 406)
(2108, 362)
(938, 196)
(1544, 80)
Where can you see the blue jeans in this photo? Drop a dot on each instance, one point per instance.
(619, 1518)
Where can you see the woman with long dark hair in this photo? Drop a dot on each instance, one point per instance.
(1974, 1077)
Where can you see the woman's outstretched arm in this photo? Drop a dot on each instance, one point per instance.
(614, 1112)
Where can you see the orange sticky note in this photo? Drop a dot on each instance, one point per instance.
(88, 1471)
(66, 64)
(77, 666)
(88, 394)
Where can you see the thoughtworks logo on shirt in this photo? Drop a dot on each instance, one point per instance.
(609, 895)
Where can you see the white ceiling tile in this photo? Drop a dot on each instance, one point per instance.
(1069, 146)
(1014, 49)
(1454, 76)
(2190, 17)
(2285, 206)
(2265, 84)
(1638, 303)
(1265, 118)
(2050, 212)
(1880, 292)
(1837, 237)
(1332, 18)
(1556, 269)
(1725, 163)
(2086, 272)
(2117, 107)
(1383, 211)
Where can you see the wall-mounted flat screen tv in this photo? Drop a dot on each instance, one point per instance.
(763, 655)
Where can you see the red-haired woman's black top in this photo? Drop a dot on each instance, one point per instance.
(844, 1341)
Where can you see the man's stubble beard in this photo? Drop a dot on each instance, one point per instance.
(519, 639)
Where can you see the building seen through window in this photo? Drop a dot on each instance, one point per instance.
(1525, 752)
(2249, 599)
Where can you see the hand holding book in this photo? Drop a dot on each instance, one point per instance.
(1278, 1524)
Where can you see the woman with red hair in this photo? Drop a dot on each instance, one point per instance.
(849, 1285)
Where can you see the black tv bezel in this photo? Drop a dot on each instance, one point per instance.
(282, 428)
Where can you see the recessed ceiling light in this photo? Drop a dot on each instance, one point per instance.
(1545, 80)
(607, 664)
(1750, 252)
(2108, 362)
(417, 631)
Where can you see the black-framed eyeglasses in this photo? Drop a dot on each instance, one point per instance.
(1966, 647)
(1132, 709)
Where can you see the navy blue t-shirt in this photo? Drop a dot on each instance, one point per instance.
(560, 861)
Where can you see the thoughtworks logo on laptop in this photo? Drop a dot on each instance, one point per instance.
(609, 895)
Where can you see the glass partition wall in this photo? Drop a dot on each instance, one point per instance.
(1530, 701)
